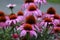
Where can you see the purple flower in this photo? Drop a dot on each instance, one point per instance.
(32, 10)
(56, 21)
(27, 28)
(12, 19)
(3, 22)
(26, 5)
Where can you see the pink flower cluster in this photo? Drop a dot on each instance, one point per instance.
(31, 19)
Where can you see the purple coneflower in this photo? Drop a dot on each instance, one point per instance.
(45, 22)
(20, 15)
(50, 13)
(32, 20)
(13, 19)
(27, 28)
(3, 22)
(56, 19)
(32, 10)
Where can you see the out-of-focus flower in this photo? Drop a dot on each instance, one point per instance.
(26, 5)
(29, 1)
(2, 13)
(3, 22)
(32, 20)
(32, 10)
(50, 13)
(15, 35)
(51, 10)
(56, 16)
(56, 19)
(11, 5)
(27, 28)
(13, 19)
(20, 15)
(57, 29)
(45, 21)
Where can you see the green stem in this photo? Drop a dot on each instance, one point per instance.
(11, 10)
(28, 37)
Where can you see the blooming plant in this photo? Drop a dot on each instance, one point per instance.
(30, 24)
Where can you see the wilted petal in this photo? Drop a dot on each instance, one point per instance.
(23, 33)
(33, 33)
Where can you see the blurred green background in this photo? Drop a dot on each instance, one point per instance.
(54, 1)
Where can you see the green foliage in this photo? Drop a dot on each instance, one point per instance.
(54, 1)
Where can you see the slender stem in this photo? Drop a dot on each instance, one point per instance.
(11, 10)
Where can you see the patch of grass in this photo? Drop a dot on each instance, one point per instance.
(54, 1)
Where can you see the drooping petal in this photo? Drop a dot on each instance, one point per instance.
(20, 28)
(23, 33)
(14, 21)
(33, 33)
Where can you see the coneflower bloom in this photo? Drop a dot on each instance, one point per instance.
(20, 15)
(45, 22)
(50, 13)
(13, 19)
(26, 5)
(56, 29)
(29, 1)
(3, 14)
(56, 19)
(32, 10)
(40, 2)
(32, 20)
(27, 28)
(3, 22)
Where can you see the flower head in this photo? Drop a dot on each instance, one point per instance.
(30, 19)
(27, 27)
(58, 25)
(51, 10)
(12, 16)
(3, 22)
(29, 1)
(2, 13)
(32, 8)
(15, 35)
(2, 19)
(11, 6)
(56, 16)
(47, 20)
(20, 13)
(56, 29)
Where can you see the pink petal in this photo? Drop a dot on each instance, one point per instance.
(23, 33)
(20, 28)
(33, 33)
